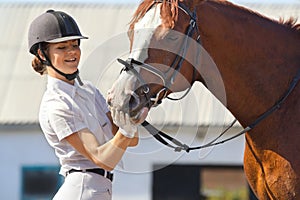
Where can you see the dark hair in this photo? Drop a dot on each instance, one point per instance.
(37, 63)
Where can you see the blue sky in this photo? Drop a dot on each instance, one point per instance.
(137, 1)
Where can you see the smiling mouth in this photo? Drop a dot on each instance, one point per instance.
(71, 60)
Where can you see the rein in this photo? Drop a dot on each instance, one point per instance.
(161, 136)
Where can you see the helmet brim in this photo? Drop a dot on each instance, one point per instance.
(67, 38)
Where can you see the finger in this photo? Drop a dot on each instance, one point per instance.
(116, 117)
(122, 118)
(112, 113)
(127, 119)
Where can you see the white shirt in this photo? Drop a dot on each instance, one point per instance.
(66, 109)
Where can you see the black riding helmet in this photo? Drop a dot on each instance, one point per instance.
(52, 27)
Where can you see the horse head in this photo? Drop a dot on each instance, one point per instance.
(161, 35)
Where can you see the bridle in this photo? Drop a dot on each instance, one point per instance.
(176, 65)
(167, 80)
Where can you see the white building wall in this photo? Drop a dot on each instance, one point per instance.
(17, 149)
(28, 147)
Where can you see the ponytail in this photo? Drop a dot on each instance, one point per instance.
(37, 64)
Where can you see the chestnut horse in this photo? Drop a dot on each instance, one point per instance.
(258, 60)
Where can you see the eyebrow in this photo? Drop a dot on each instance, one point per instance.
(69, 40)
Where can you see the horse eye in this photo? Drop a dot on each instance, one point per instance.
(172, 37)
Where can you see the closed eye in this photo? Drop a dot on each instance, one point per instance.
(61, 47)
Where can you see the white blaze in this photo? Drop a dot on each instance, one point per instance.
(124, 86)
(143, 32)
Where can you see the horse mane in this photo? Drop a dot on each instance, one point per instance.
(169, 14)
(291, 23)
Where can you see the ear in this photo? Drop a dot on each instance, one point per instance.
(41, 55)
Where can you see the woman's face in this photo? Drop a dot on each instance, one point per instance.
(65, 56)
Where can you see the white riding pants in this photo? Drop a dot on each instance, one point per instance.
(85, 186)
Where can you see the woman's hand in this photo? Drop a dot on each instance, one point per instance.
(122, 120)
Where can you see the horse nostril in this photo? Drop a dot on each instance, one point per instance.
(109, 100)
(134, 101)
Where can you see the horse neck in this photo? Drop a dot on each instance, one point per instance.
(247, 49)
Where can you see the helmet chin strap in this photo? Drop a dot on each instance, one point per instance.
(67, 76)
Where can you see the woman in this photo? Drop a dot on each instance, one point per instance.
(74, 117)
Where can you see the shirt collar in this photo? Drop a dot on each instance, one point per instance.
(54, 83)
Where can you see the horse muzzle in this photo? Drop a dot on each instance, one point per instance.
(133, 103)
